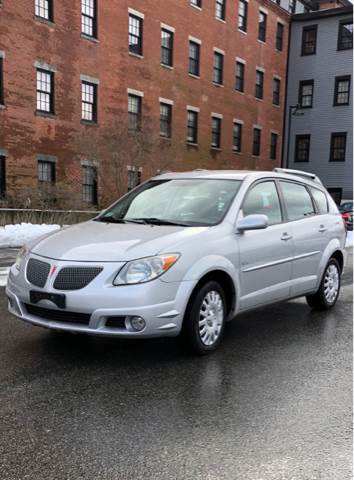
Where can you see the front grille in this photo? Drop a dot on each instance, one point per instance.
(58, 315)
(75, 278)
(37, 272)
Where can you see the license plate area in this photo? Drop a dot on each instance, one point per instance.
(58, 299)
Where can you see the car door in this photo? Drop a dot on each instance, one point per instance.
(310, 234)
(265, 255)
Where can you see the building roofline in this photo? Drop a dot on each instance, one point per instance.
(331, 12)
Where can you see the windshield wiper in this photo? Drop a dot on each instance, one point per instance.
(158, 221)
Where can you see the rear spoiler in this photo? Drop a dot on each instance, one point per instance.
(299, 173)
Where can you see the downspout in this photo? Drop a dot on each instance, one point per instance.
(285, 163)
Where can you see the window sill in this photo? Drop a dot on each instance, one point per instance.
(196, 7)
(257, 157)
(2, 106)
(88, 123)
(215, 149)
(239, 92)
(45, 21)
(197, 77)
(163, 137)
(262, 42)
(278, 51)
(259, 99)
(236, 152)
(219, 85)
(90, 39)
(242, 31)
(38, 113)
(276, 105)
(191, 144)
(335, 105)
(168, 67)
(220, 20)
(136, 55)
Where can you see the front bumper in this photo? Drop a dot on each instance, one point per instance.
(160, 304)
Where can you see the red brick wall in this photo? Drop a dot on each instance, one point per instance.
(25, 40)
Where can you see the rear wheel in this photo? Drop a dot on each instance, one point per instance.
(328, 292)
(205, 317)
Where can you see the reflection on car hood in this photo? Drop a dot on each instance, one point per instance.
(106, 242)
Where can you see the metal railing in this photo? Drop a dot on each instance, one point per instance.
(37, 216)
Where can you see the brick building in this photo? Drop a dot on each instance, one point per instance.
(96, 94)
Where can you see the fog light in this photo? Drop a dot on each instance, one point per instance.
(137, 323)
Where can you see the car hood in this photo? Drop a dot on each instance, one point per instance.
(107, 242)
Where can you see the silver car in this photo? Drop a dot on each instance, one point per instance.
(184, 253)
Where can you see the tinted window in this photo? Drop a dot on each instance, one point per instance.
(320, 199)
(263, 199)
(297, 201)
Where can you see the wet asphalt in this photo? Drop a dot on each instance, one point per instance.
(274, 402)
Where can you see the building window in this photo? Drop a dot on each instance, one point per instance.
(2, 89)
(256, 146)
(345, 35)
(89, 184)
(134, 177)
(259, 84)
(166, 47)
(338, 147)
(196, 3)
(134, 112)
(273, 145)
(88, 18)
(218, 68)
(309, 40)
(215, 132)
(276, 91)
(194, 58)
(279, 37)
(242, 15)
(2, 176)
(44, 9)
(89, 102)
(192, 126)
(342, 90)
(240, 77)
(220, 7)
(302, 148)
(237, 137)
(46, 178)
(45, 91)
(306, 88)
(135, 35)
(262, 26)
(165, 120)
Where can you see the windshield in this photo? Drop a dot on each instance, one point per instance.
(187, 202)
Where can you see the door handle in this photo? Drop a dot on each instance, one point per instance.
(322, 229)
(286, 237)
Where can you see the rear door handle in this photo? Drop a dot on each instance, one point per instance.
(322, 229)
(286, 237)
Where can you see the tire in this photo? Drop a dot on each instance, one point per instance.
(205, 318)
(327, 295)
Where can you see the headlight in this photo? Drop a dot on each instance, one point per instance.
(145, 269)
(21, 256)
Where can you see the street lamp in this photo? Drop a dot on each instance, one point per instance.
(293, 112)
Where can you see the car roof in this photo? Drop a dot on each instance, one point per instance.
(234, 175)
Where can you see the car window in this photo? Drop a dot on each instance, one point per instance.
(320, 199)
(263, 199)
(297, 201)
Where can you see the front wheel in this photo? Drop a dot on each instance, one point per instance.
(205, 317)
(327, 294)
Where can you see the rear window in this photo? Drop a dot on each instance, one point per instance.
(297, 200)
(321, 200)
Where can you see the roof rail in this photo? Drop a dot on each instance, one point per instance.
(299, 173)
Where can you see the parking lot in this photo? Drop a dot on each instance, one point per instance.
(274, 402)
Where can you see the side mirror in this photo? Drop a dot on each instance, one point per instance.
(252, 222)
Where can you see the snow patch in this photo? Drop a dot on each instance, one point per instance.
(12, 236)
